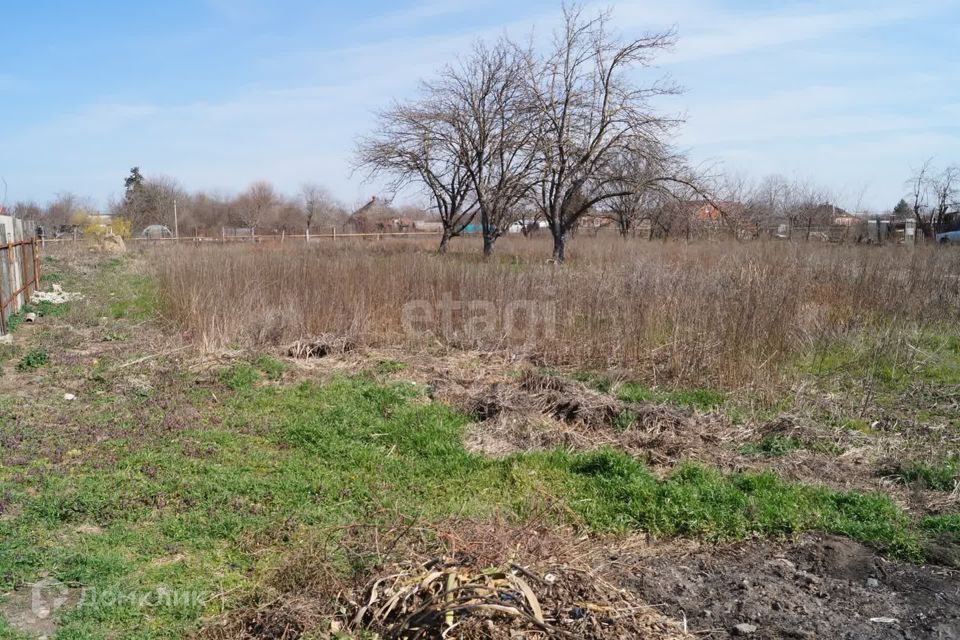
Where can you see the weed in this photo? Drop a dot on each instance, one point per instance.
(271, 367)
(775, 446)
(601, 383)
(772, 446)
(33, 360)
(239, 376)
(624, 420)
(942, 523)
(386, 367)
(699, 399)
(937, 476)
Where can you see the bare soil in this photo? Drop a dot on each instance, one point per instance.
(819, 587)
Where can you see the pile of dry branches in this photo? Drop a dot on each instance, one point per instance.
(453, 579)
(444, 598)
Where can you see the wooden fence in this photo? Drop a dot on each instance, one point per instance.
(19, 266)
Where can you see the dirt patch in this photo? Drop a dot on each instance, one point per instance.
(34, 610)
(821, 587)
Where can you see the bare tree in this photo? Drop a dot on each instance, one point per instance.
(26, 211)
(944, 188)
(414, 144)
(918, 192)
(589, 111)
(934, 195)
(62, 209)
(149, 201)
(483, 99)
(318, 205)
(257, 204)
(647, 185)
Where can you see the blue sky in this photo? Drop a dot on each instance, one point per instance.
(217, 93)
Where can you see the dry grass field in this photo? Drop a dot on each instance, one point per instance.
(657, 440)
(721, 315)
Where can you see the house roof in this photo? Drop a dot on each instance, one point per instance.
(371, 207)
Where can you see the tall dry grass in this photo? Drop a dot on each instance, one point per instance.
(707, 314)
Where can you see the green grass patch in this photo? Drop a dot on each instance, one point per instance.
(210, 508)
(929, 355)
(271, 367)
(938, 476)
(699, 399)
(42, 309)
(942, 523)
(239, 376)
(601, 383)
(775, 446)
(386, 367)
(136, 298)
(619, 494)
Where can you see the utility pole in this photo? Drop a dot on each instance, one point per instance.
(176, 228)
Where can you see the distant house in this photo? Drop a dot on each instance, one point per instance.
(594, 221)
(434, 226)
(372, 217)
(847, 221)
(708, 212)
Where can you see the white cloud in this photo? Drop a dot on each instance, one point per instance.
(709, 29)
(421, 12)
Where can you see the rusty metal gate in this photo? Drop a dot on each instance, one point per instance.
(19, 268)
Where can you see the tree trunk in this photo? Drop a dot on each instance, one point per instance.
(559, 246)
(444, 242)
(488, 241)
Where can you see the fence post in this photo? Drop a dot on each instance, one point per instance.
(25, 296)
(36, 266)
(334, 234)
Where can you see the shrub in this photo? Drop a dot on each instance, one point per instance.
(33, 360)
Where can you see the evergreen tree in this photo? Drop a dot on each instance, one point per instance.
(902, 210)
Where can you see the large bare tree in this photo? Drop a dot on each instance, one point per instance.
(589, 111)
(484, 100)
(414, 144)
